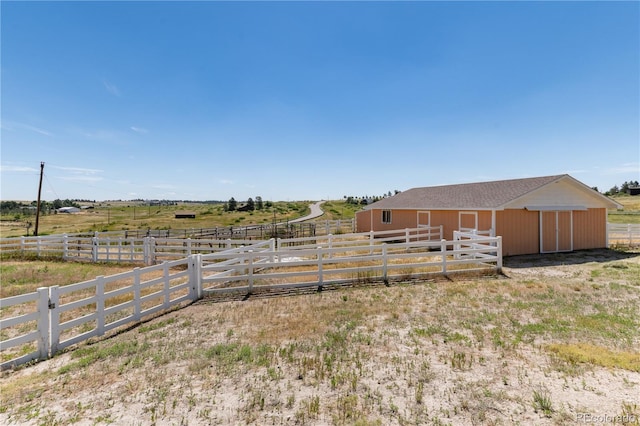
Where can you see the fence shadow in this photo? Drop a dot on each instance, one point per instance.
(568, 258)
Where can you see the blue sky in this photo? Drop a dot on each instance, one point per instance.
(313, 100)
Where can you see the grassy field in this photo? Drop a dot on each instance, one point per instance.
(553, 341)
(129, 215)
(630, 213)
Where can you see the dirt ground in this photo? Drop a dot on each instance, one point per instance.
(434, 353)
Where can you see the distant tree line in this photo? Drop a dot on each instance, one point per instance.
(45, 206)
(364, 200)
(622, 189)
(250, 205)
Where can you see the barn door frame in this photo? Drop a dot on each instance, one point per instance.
(557, 226)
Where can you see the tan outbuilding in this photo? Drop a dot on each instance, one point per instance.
(533, 215)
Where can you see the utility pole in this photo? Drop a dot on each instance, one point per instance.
(35, 232)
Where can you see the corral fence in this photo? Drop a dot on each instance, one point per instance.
(38, 325)
(147, 250)
(152, 250)
(290, 229)
(625, 234)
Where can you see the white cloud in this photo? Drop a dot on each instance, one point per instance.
(81, 178)
(139, 130)
(164, 186)
(37, 130)
(13, 126)
(19, 169)
(112, 88)
(100, 134)
(625, 168)
(78, 170)
(78, 174)
(225, 181)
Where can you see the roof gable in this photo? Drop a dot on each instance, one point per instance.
(512, 193)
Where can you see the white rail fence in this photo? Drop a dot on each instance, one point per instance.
(54, 318)
(473, 239)
(627, 234)
(38, 325)
(147, 251)
(150, 250)
(322, 266)
(319, 227)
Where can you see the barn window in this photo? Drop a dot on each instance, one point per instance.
(386, 216)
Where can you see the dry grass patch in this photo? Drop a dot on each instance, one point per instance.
(596, 355)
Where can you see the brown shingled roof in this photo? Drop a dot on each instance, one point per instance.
(480, 195)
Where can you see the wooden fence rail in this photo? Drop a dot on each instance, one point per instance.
(38, 325)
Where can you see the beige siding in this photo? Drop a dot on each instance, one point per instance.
(371, 220)
(519, 228)
(590, 229)
(363, 221)
(520, 231)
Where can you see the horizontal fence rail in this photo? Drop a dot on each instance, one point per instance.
(627, 234)
(38, 325)
(61, 316)
(147, 251)
(303, 267)
(115, 247)
(262, 232)
(150, 251)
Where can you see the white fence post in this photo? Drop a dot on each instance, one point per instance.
(499, 262)
(330, 242)
(100, 315)
(137, 304)
(272, 249)
(22, 244)
(384, 262)
(195, 276)
(320, 277)
(371, 234)
(250, 272)
(145, 251)
(152, 249)
(65, 246)
(94, 249)
(149, 251)
(167, 285)
(54, 319)
(43, 323)
(443, 251)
